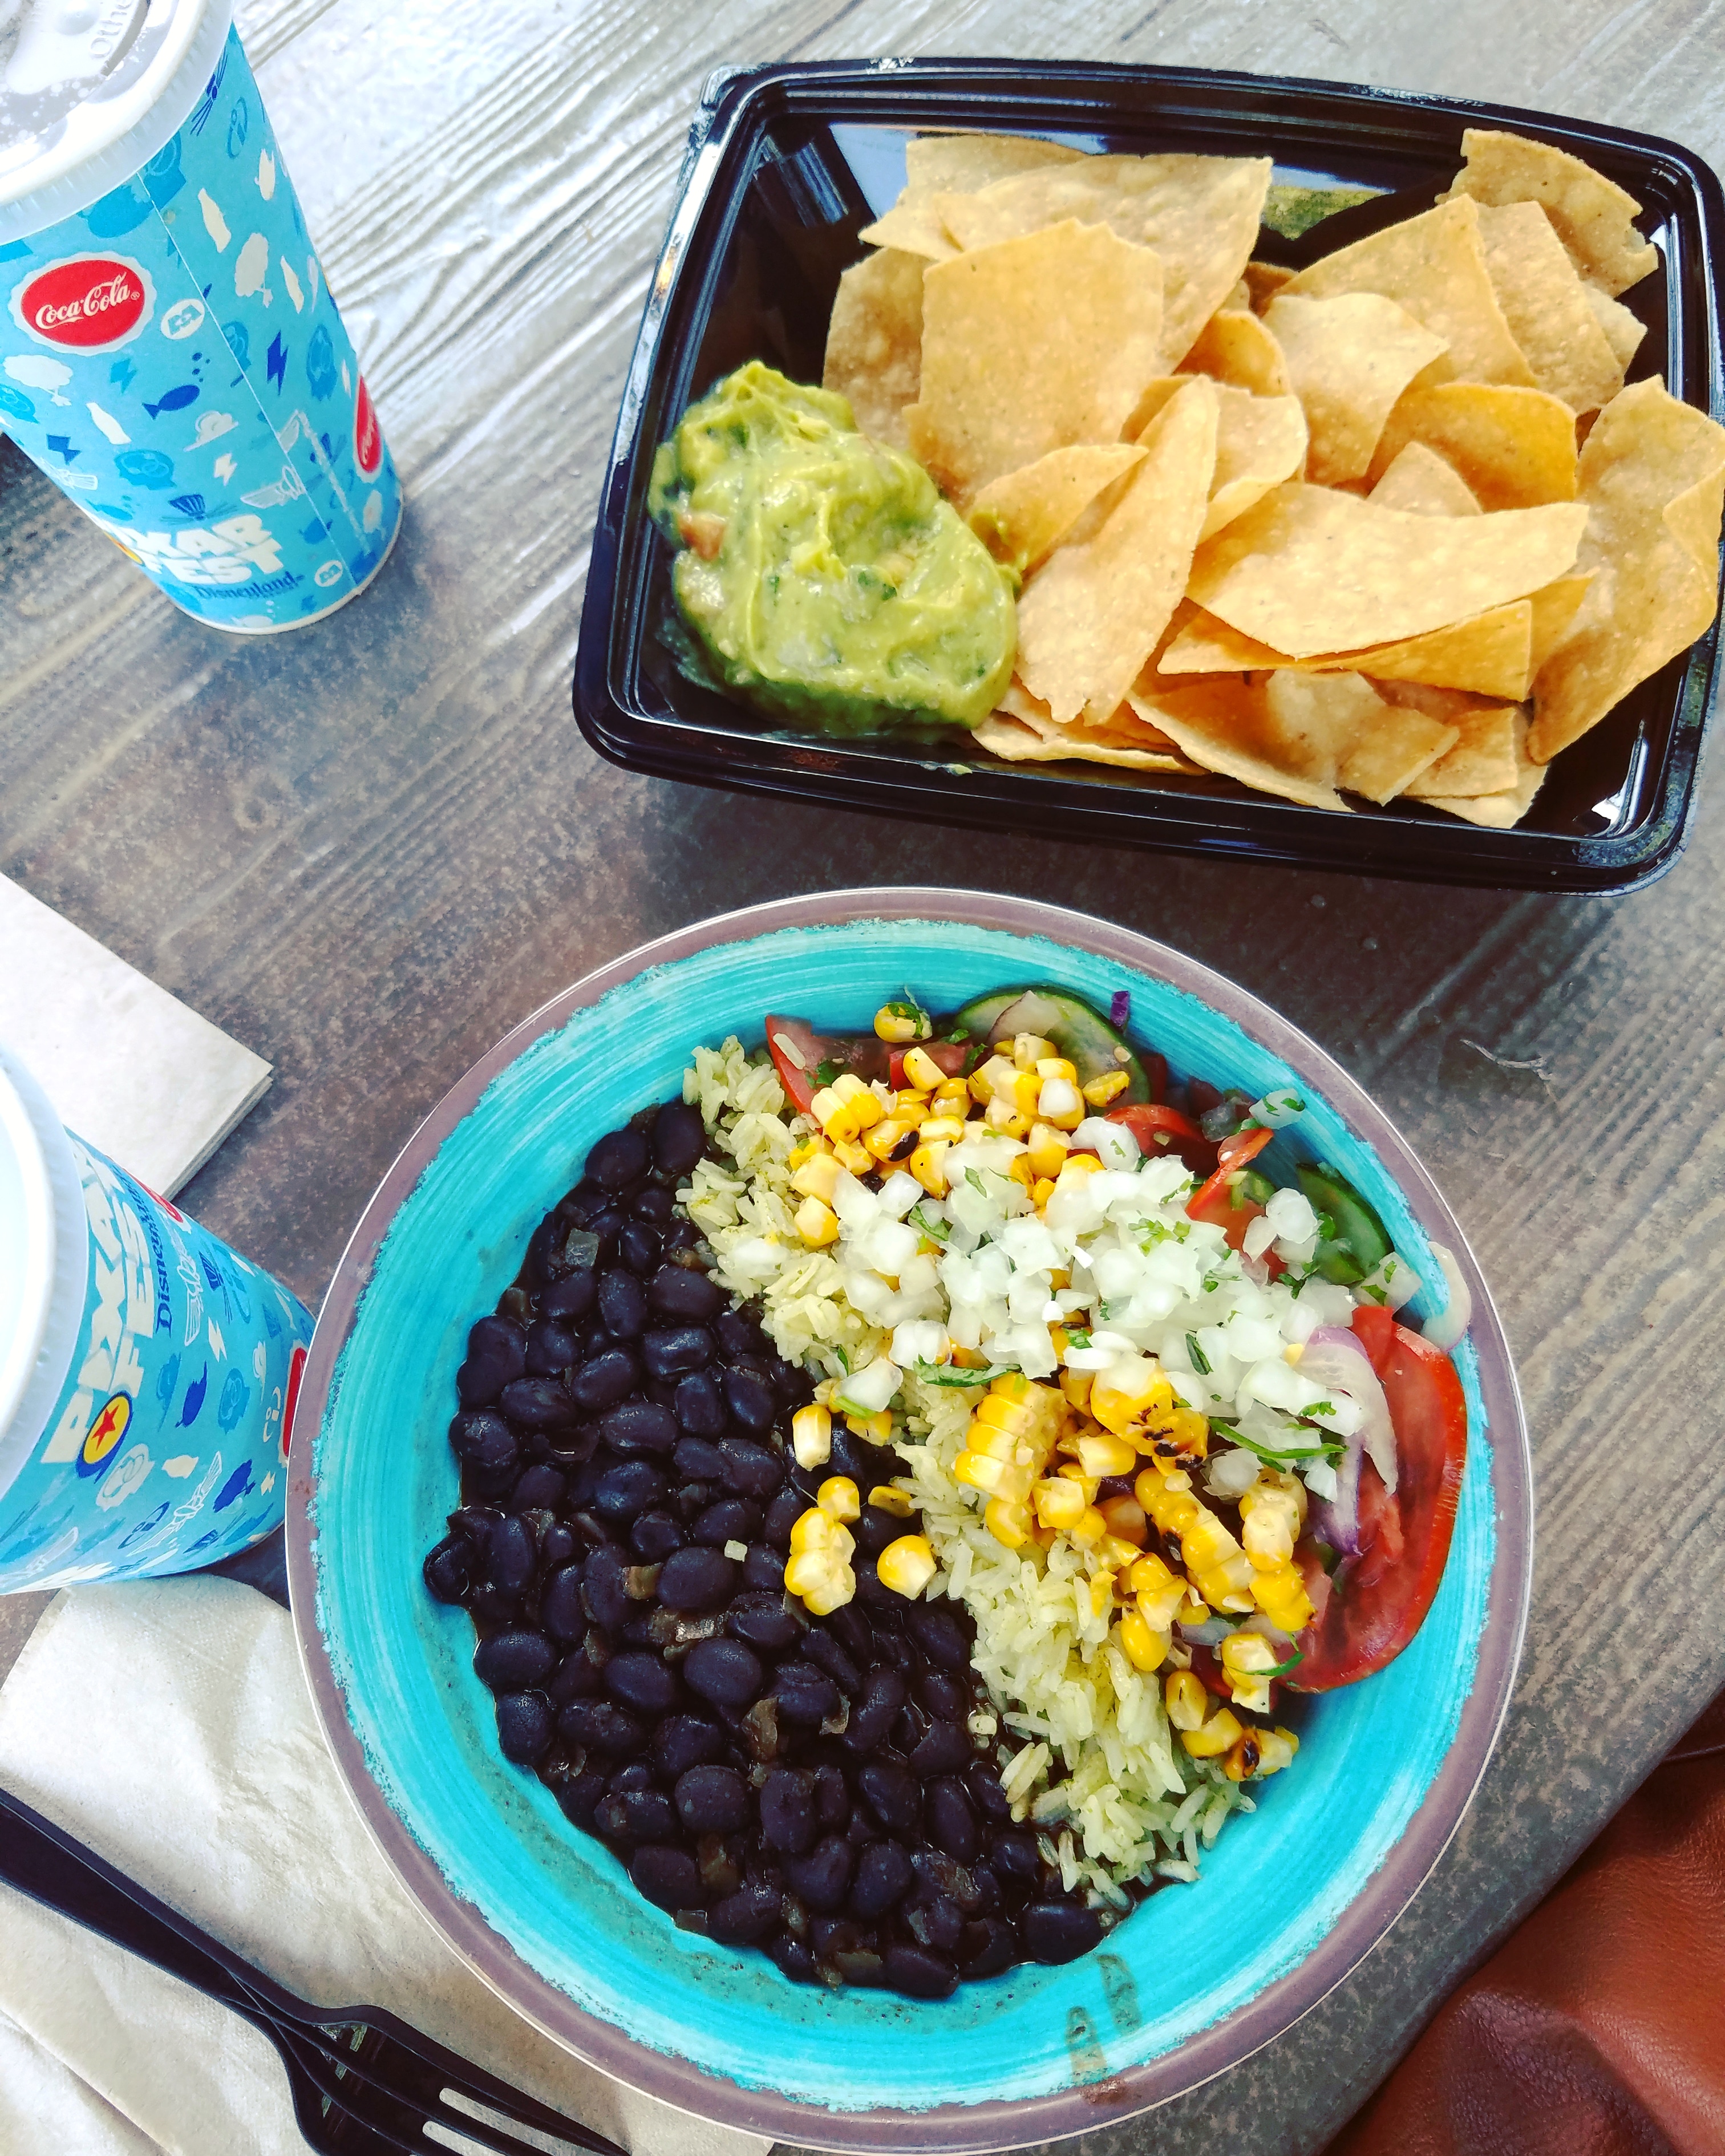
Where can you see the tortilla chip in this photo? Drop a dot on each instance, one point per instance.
(1420, 482)
(1030, 346)
(1308, 570)
(1592, 215)
(1225, 726)
(1088, 621)
(874, 342)
(1261, 441)
(1490, 655)
(1545, 304)
(1554, 609)
(913, 226)
(1483, 758)
(1349, 359)
(1234, 346)
(1022, 517)
(1515, 447)
(1200, 214)
(946, 164)
(1500, 811)
(1623, 332)
(1435, 267)
(1337, 726)
(1015, 743)
(1264, 280)
(1652, 479)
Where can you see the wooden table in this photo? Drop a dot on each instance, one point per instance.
(367, 851)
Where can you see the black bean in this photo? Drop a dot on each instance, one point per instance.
(538, 1404)
(670, 1350)
(712, 1800)
(806, 1695)
(603, 1229)
(550, 1347)
(571, 1296)
(746, 1916)
(623, 1305)
(920, 1973)
(721, 1671)
(732, 1520)
(697, 1580)
(849, 1627)
(788, 1816)
(620, 1159)
(752, 1470)
(764, 1622)
(794, 1958)
(990, 1799)
(560, 1606)
(679, 1292)
(678, 1138)
(944, 1750)
(700, 1406)
(580, 1794)
(653, 1537)
(989, 1945)
(637, 1774)
(883, 1696)
(908, 1731)
(581, 1202)
(654, 1203)
(986, 1881)
(642, 1682)
(481, 1438)
(1016, 1855)
(740, 1336)
(608, 1379)
(600, 1727)
(449, 1568)
(823, 1649)
(667, 1875)
(935, 1921)
(875, 1529)
(682, 1741)
(884, 1878)
(942, 1694)
(893, 1794)
(579, 1676)
(538, 1488)
(557, 1545)
(640, 1427)
(681, 1235)
(637, 1246)
(749, 1397)
(496, 1352)
(489, 1605)
(636, 1815)
(951, 1822)
(627, 1489)
(832, 1796)
(1059, 1931)
(696, 1459)
(762, 1569)
(819, 1879)
(940, 1635)
(511, 1555)
(604, 1589)
(783, 1514)
(514, 1660)
(524, 1727)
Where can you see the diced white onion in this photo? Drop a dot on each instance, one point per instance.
(855, 1204)
(1258, 1237)
(1059, 1097)
(1227, 1474)
(1290, 1213)
(1279, 1106)
(1447, 1328)
(1112, 1143)
(1395, 1279)
(868, 1390)
(900, 1193)
(922, 1340)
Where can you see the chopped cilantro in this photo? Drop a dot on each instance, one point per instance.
(1330, 1450)
(975, 1181)
(1200, 1361)
(939, 1373)
(843, 1360)
(936, 1229)
(826, 1072)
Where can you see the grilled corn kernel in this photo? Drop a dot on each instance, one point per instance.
(1185, 1699)
(1076, 1385)
(1247, 1659)
(1114, 1550)
(1048, 1149)
(1091, 1528)
(1000, 1115)
(839, 1499)
(817, 1224)
(814, 1532)
(823, 1588)
(1100, 1092)
(910, 1107)
(1160, 1592)
(1041, 1193)
(954, 1095)
(1244, 1757)
(907, 1566)
(933, 1127)
(818, 1176)
(1273, 1512)
(1145, 1649)
(1125, 1393)
(927, 1164)
(1058, 1503)
(851, 1158)
(1174, 1436)
(898, 1023)
(1126, 1520)
(892, 1137)
(1030, 1048)
(1009, 1521)
(1101, 1593)
(1076, 1164)
(923, 1071)
(1100, 1453)
(888, 1497)
(995, 1075)
(1222, 1730)
(874, 1428)
(1275, 1750)
(810, 1149)
(1282, 1595)
(812, 1436)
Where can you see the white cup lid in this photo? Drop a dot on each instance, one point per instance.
(89, 91)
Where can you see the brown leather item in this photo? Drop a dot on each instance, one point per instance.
(1598, 2029)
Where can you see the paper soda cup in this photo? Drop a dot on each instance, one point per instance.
(148, 1373)
(170, 355)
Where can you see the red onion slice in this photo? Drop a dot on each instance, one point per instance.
(1335, 1358)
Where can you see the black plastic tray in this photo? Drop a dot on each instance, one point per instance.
(786, 165)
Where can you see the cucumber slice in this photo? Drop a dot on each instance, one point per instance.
(1359, 1244)
(1083, 1036)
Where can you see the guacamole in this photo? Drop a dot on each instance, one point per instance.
(822, 574)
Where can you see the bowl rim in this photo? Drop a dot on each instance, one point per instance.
(1128, 2092)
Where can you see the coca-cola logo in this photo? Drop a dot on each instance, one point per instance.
(367, 434)
(90, 303)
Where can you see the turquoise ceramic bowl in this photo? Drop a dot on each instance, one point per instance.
(1289, 1899)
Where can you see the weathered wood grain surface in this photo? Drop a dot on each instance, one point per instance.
(367, 851)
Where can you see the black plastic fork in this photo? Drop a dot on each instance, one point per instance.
(362, 2080)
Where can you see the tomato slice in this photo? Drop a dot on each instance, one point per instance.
(1378, 1600)
(798, 1052)
(1163, 1130)
(1243, 1147)
(951, 1056)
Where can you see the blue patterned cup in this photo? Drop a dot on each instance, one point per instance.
(170, 355)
